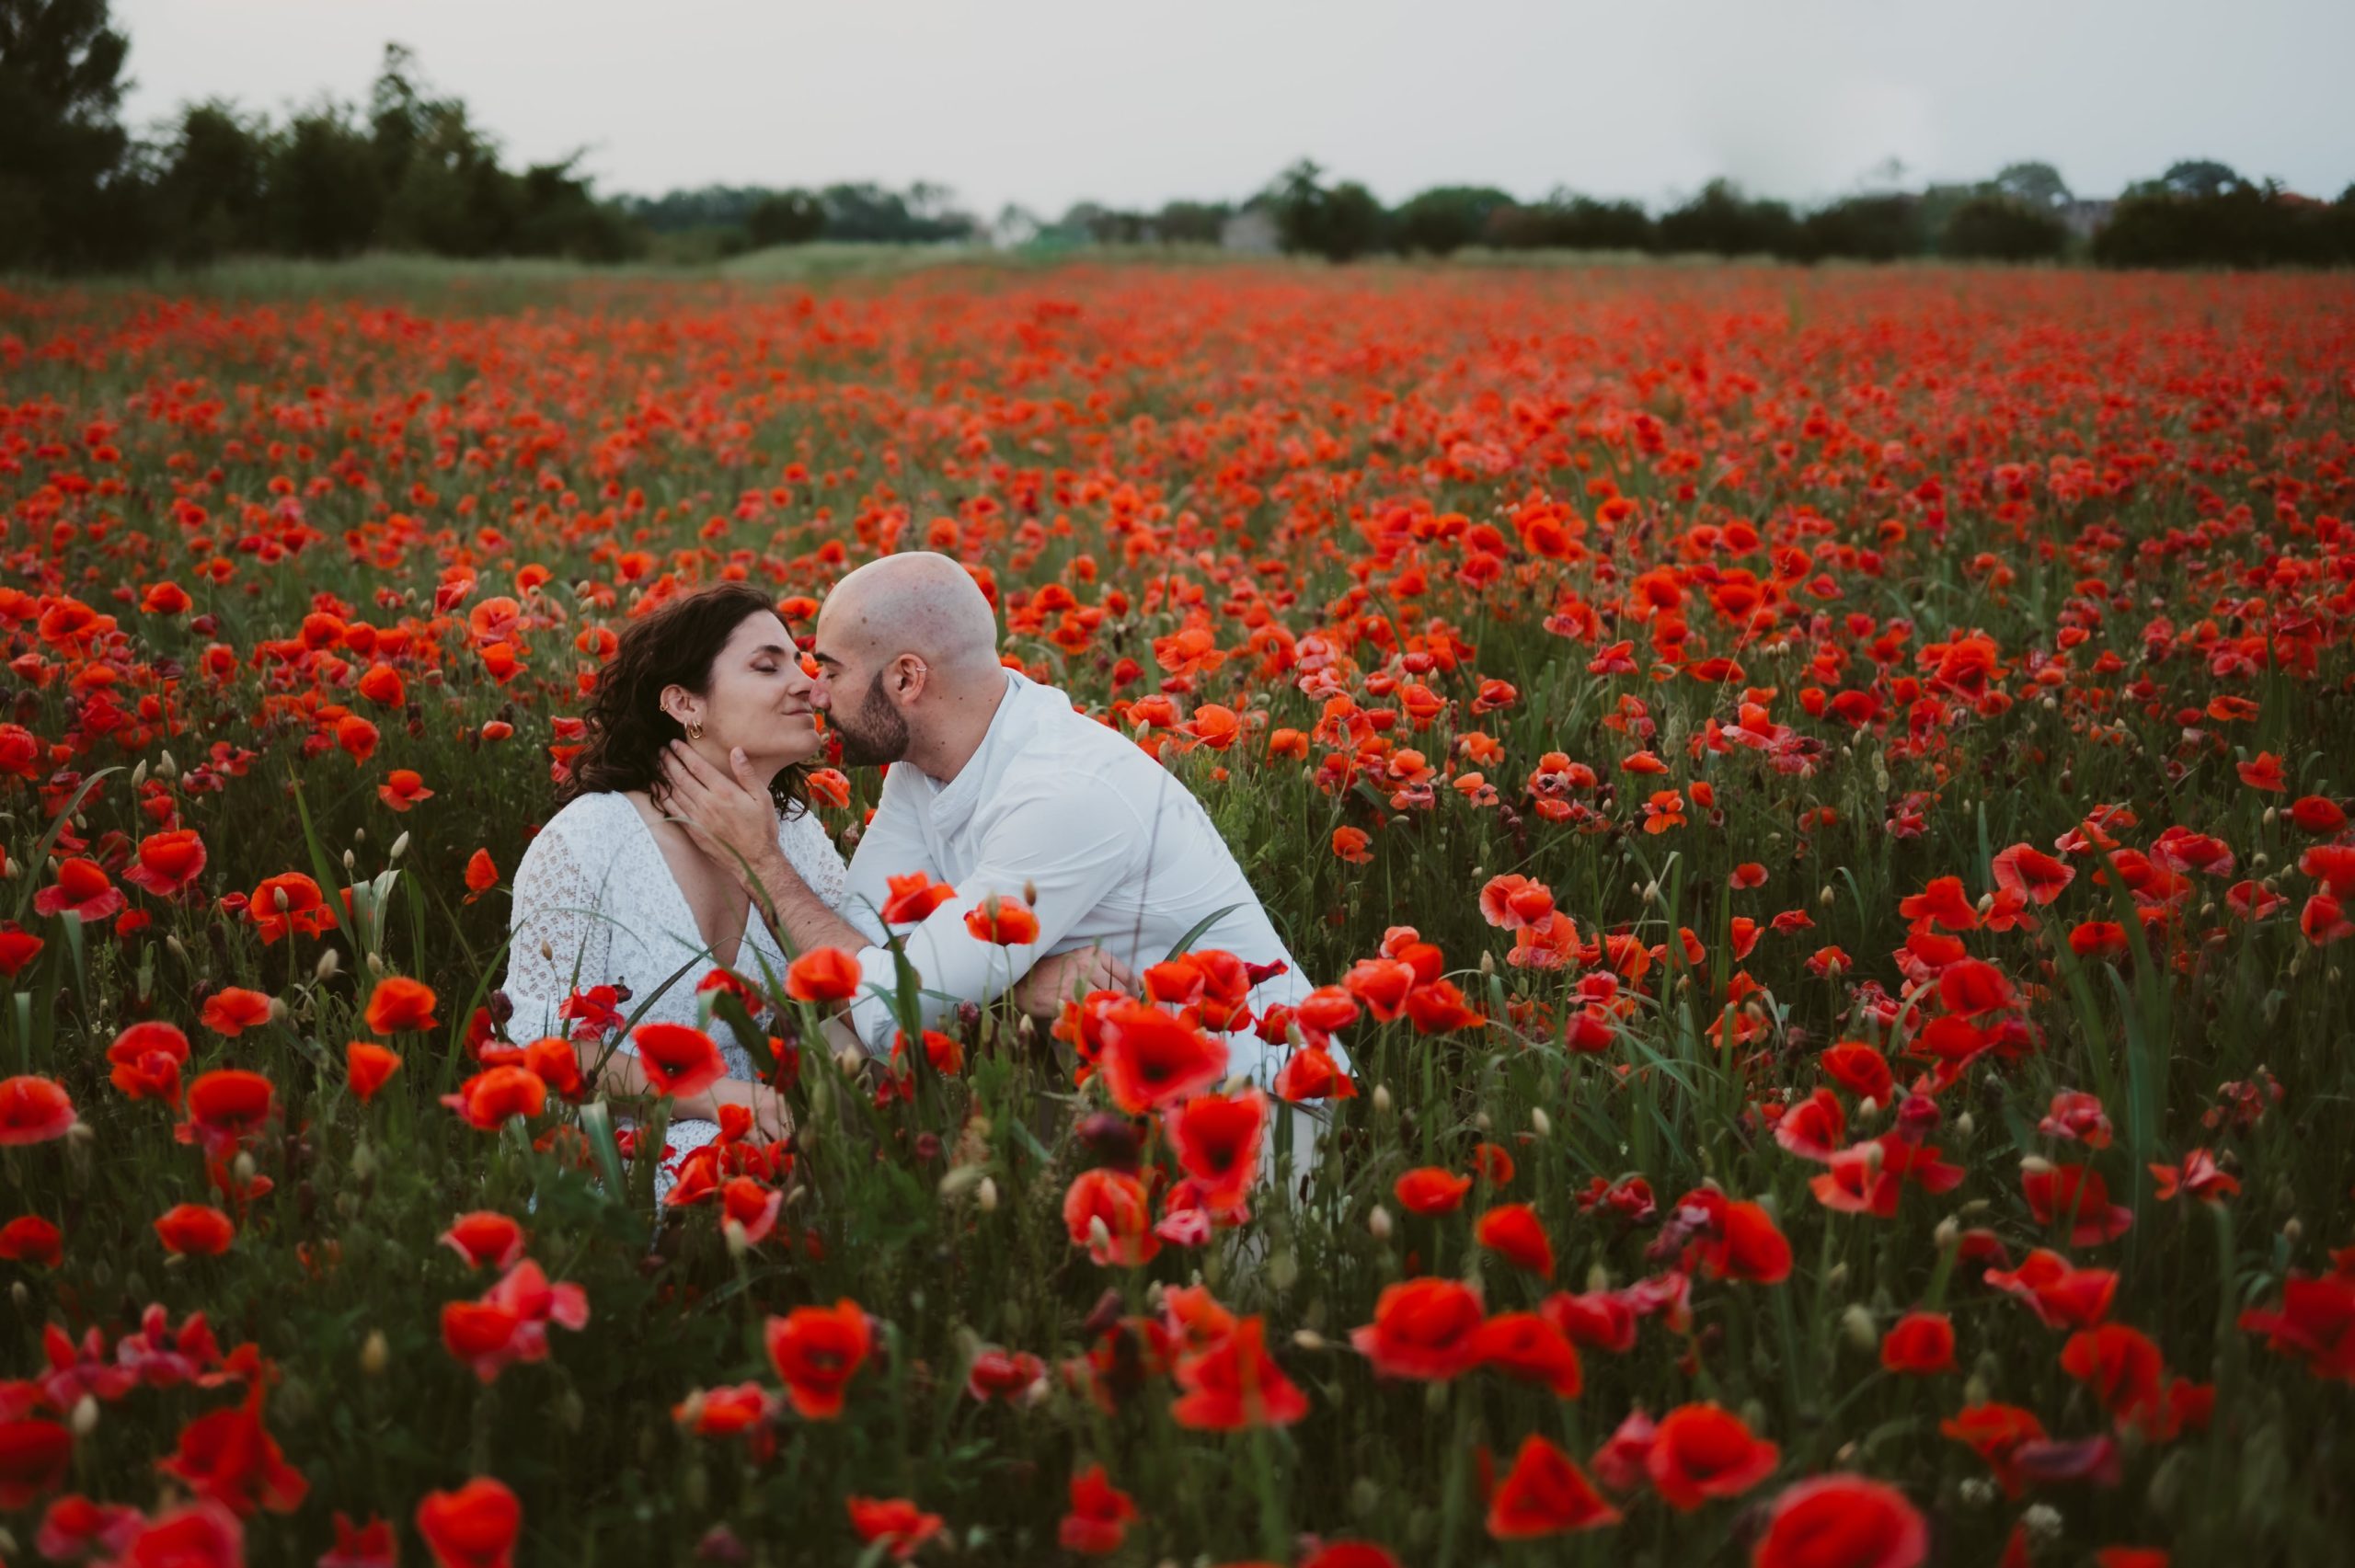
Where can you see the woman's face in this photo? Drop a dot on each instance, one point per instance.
(758, 699)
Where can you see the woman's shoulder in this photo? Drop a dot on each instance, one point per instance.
(585, 821)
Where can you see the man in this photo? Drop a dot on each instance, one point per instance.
(999, 788)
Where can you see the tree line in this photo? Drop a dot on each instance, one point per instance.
(410, 170)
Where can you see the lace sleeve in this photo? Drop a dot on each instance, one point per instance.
(558, 937)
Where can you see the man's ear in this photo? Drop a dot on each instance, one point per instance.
(908, 673)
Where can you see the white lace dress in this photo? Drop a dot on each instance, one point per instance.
(595, 904)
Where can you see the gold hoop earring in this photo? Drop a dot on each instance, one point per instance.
(695, 731)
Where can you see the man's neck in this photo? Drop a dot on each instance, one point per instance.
(963, 730)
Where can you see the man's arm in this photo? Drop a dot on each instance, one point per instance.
(1067, 850)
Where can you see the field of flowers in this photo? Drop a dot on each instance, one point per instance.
(1817, 802)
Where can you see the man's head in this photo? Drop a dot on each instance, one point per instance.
(903, 644)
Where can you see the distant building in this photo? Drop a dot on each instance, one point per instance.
(1253, 232)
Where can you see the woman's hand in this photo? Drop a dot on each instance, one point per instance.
(729, 814)
(1066, 976)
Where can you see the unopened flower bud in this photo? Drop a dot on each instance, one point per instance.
(376, 1352)
(1539, 1122)
(985, 1195)
(1377, 1223)
(400, 844)
(1857, 1324)
(330, 962)
(1308, 1340)
(1382, 1099)
(731, 1230)
(1099, 1235)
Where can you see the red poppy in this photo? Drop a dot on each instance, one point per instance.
(367, 1065)
(893, 1523)
(1529, 1345)
(1545, 1495)
(1100, 1517)
(1429, 1189)
(195, 1230)
(485, 1238)
(400, 1005)
(232, 1010)
(823, 975)
(999, 1375)
(1152, 1059)
(1514, 1232)
(1009, 922)
(1920, 1344)
(481, 876)
(2059, 1293)
(2121, 1364)
(1235, 1385)
(225, 1457)
(402, 788)
(475, 1526)
(1422, 1328)
(225, 1107)
(1311, 1074)
(492, 1095)
(84, 887)
(1702, 1452)
(1116, 1202)
(1842, 1521)
(817, 1351)
(1217, 1139)
(678, 1060)
(168, 862)
(36, 1458)
(288, 902)
(2074, 1195)
(913, 897)
(146, 1060)
(33, 1110)
(29, 1239)
(1351, 844)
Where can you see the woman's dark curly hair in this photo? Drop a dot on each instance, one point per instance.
(675, 645)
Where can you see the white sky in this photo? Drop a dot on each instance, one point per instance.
(1046, 102)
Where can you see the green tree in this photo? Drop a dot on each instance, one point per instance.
(213, 192)
(61, 144)
(327, 187)
(1445, 219)
(2003, 228)
(2033, 184)
(1339, 223)
(785, 217)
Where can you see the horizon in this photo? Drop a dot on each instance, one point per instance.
(1877, 89)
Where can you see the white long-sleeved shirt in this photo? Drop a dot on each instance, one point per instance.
(1119, 852)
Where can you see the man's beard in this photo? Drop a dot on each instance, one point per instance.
(879, 734)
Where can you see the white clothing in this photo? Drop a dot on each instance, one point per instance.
(1117, 852)
(596, 903)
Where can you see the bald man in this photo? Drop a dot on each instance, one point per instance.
(997, 787)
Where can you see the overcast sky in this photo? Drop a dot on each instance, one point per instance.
(1045, 102)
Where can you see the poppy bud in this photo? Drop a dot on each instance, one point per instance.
(19, 1294)
(1539, 1122)
(1382, 1099)
(85, 1418)
(375, 1353)
(166, 769)
(376, 965)
(399, 845)
(1824, 897)
(731, 1230)
(139, 774)
(350, 860)
(1857, 1324)
(324, 969)
(1377, 1223)
(985, 1195)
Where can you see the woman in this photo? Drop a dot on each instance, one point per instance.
(615, 891)
(618, 891)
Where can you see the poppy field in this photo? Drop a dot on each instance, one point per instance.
(1815, 804)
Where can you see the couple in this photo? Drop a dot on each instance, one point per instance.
(685, 836)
